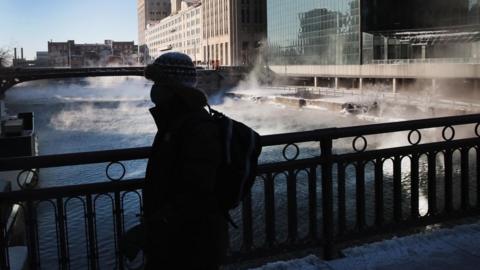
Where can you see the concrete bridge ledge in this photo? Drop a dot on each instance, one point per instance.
(413, 71)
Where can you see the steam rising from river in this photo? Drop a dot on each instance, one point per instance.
(120, 106)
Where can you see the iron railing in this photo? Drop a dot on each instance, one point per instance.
(315, 189)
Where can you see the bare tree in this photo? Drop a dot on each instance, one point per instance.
(5, 57)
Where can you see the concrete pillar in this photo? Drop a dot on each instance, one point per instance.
(336, 83)
(394, 82)
(3, 112)
(475, 85)
(360, 84)
(424, 51)
(434, 86)
(315, 82)
(385, 48)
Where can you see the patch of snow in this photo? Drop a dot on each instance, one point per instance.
(308, 263)
(444, 249)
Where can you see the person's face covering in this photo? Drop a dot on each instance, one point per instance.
(161, 95)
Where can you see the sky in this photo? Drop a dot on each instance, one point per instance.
(32, 23)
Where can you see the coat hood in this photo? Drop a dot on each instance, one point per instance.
(183, 100)
(187, 96)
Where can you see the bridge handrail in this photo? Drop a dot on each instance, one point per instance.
(57, 160)
(325, 228)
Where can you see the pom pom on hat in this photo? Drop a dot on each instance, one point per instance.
(172, 67)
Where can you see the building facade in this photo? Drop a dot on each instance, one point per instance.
(432, 30)
(70, 54)
(212, 32)
(180, 32)
(42, 59)
(352, 32)
(233, 31)
(150, 11)
(319, 32)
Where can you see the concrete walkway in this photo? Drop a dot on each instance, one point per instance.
(445, 249)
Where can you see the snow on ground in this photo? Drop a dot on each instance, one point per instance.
(445, 249)
(308, 263)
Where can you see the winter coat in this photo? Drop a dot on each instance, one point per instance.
(185, 229)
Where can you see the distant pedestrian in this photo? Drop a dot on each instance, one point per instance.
(185, 228)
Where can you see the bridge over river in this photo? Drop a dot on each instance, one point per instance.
(11, 77)
(209, 80)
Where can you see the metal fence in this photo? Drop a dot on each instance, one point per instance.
(315, 189)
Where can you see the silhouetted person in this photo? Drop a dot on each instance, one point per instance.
(185, 229)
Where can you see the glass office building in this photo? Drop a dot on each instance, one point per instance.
(352, 32)
(423, 30)
(314, 32)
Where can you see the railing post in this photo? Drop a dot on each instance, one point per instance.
(247, 223)
(64, 259)
(32, 238)
(342, 216)
(397, 188)
(465, 176)
(4, 261)
(118, 227)
(432, 183)
(414, 187)
(292, 206)
(312, 203)
(92, 241)
(448, 181)
(379, 192)
(269, 211)
(360, 195)
(478, 176)
(327, 198)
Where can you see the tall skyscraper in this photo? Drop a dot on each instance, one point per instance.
(150, 11)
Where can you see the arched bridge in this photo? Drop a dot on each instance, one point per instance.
(10, 77)
(211, 81)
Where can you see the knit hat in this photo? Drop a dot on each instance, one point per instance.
(172, 67)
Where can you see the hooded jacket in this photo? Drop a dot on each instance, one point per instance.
(179, 204)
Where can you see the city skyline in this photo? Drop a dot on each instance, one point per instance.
(31, 24)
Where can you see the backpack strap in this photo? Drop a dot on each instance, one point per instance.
(230, 220)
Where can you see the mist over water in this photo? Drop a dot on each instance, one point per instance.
(119, 107)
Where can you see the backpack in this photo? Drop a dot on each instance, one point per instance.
(241, 147)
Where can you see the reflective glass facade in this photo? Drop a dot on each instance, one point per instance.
(340, 32)
(422, 29)
(314, 32)
(387, 15)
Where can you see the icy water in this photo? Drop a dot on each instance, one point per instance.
(112, 113)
